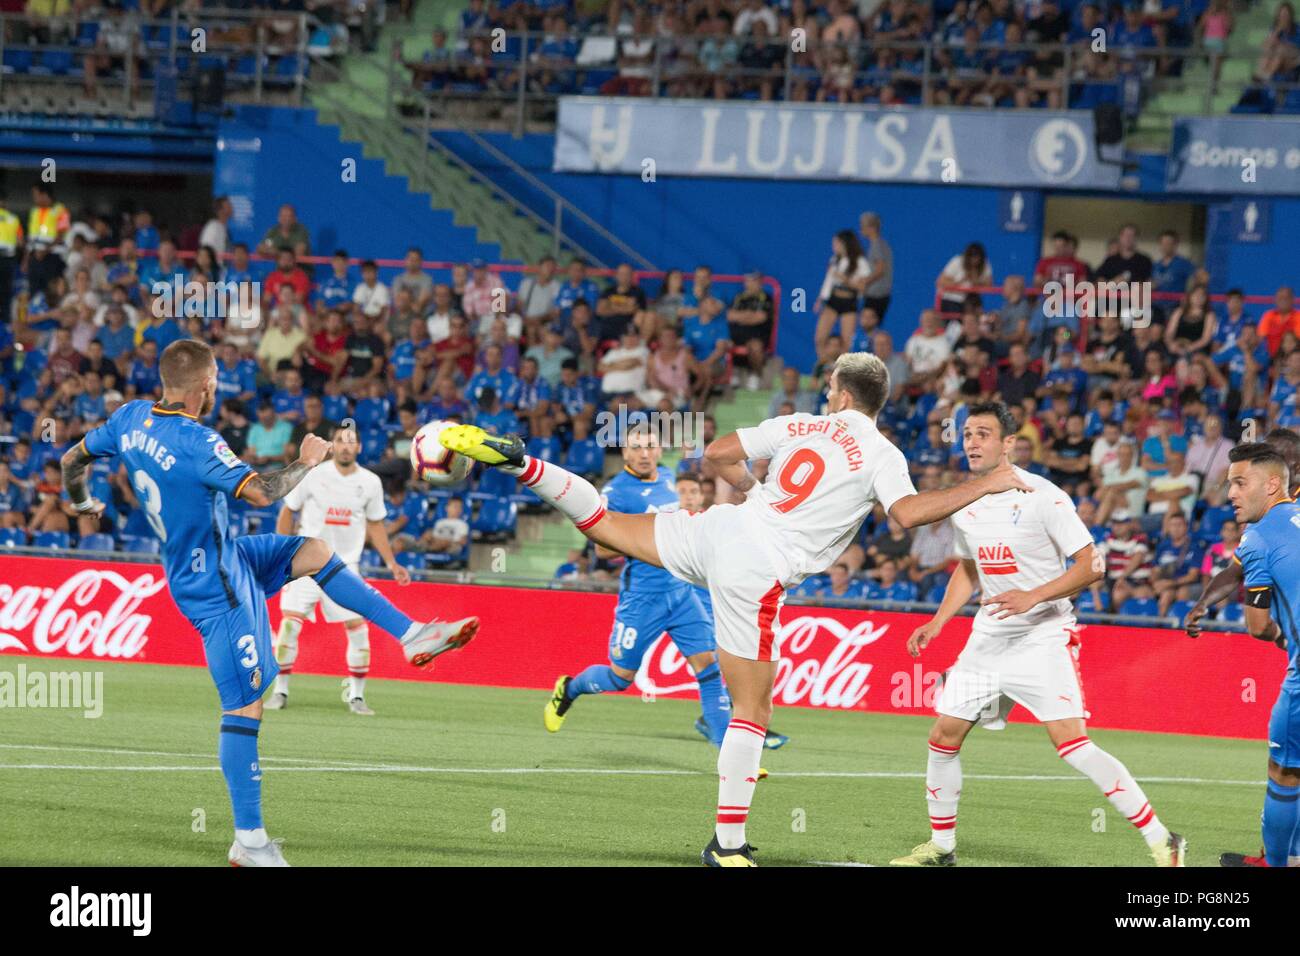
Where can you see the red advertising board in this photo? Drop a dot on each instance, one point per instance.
(1134, 678)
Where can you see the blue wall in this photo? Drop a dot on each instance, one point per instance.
(376, 216)
(787, 234)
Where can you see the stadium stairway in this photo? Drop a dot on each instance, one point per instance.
(1155, 123)
(355, 101)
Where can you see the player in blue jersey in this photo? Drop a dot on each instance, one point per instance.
(182, 473)
(1269, 554)
(651, 601)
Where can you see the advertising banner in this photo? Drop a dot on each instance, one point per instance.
(1035, 148)
(1259, 156)
(836, 659)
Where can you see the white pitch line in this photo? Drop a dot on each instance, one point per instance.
(607, 771)
(837, 863)
(161, 753)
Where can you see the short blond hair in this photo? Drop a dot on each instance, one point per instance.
(866, 378)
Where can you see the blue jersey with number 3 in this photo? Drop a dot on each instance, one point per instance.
(181, 472)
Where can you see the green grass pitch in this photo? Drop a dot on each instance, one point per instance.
(463, 775)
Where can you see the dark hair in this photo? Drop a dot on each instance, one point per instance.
(417, 250)
(340, 253)
(239, 245)
(569, 363)
(852, 248)
(370, 264)
(487, 396)
(1286, 443)
(1062, 235)
(1257, 453)
(998, 411)
(689, 476)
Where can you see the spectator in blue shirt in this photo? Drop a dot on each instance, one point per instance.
(288, 401)
(888, 587)
(13, 499)
(1156, 448)
(117, 338)
(574, 397)
(336, 290)
(492, 416)
(533, 398)
(493, 375)
(143, 379)
(1170, 272)
(841, 586)
(575, 287)
(1177, 572)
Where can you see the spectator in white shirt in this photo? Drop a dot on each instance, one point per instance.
(841, 291)
(928, 350)
(215, 231)
(971, 268)
(371, 296)
(450, 534)
(623, 369)
(1123, 484)
(536, 297)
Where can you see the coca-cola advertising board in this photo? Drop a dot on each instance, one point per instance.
(837, 659)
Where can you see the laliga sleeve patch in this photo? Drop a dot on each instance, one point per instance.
(1259, 597)
(225, 455)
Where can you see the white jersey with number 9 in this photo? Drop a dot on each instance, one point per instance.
(826, 474)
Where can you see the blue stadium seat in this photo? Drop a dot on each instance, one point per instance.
(87, 33)
(13, 538)
(493, 481)
(370, 559)
(411, 560)
(96, 542)
(139, 544)
(1232, 612)
(51, 539)
(1179, 609)
(54, 63)
(493, 518)
(17, 60)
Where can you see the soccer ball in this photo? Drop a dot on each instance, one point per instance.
(433, 463)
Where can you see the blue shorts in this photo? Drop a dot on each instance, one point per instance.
(641, 617)
(1284, 728)
(238, 644)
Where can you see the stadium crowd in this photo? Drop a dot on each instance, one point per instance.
(1133, 418)
(304, 346)
(978, 52)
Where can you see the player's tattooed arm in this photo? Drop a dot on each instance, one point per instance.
(261, 490)
(74, 463)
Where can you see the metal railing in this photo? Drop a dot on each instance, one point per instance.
(332, 85)
(519, 69)
(250, 49)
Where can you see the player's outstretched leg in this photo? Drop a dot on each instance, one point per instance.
(596, 679)
(286, 652)
(1118, 786)
(942, 790)
(421, 643)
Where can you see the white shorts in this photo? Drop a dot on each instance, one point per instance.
(719, 549)
(301, 595)
(1039, 671)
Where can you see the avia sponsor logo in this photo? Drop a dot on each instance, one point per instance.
(93, 611)
(996, 559)
(819, 663)
(75, 908)
(339, 517)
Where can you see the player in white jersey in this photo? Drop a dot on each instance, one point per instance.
(1023, 645)
(826, 474)
(342, 503)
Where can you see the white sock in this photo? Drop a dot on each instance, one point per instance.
(942, 788)
(738, 759)
(575, 497)
(358, 657)
(286, 651)
(1117, 785)
(253, 839)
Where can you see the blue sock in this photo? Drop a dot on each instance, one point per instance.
(1280, 818)
(714, 702)
(596, 679)
(346, 589)
(237, 751)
